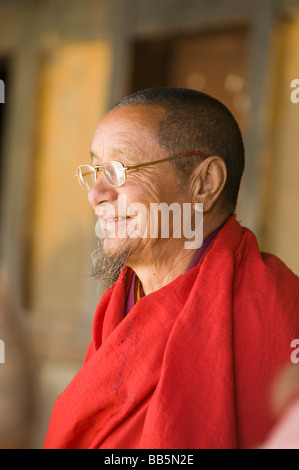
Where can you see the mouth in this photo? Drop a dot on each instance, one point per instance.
(114, 219)
(116, 225)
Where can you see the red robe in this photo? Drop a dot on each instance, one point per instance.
(189, 367)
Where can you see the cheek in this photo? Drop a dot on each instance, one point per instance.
(142, 188)
(139, 194)
(146, 188)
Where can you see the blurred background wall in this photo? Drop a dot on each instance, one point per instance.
(63, 64)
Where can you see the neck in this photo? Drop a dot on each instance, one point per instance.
(160, 269)
(162, 265)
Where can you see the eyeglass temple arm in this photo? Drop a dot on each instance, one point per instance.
(165, 160)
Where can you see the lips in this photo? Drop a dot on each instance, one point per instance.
(106, 220)
(110, 215)
(109, 223)
(114, 219)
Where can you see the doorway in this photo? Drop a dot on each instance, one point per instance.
(214, 61)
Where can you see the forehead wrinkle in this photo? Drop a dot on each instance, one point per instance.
(114, 152)
(127, 150)
(126, 134)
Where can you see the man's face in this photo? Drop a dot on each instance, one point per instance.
(128, 135)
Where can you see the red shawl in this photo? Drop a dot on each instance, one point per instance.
(191, 364)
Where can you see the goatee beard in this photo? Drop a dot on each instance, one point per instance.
(107, 266)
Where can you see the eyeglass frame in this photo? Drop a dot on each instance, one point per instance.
(125, 168)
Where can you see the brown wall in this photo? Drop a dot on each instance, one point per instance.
(281, 188)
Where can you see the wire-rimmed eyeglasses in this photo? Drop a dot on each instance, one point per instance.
(115, 172)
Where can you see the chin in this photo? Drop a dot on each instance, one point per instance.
(115, 246)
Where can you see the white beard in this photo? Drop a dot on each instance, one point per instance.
(107, 266)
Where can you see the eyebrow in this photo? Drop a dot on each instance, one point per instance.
(92, 155)
(125, 151)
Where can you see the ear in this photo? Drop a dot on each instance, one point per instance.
(209, 180)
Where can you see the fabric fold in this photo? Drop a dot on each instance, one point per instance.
(190, 365)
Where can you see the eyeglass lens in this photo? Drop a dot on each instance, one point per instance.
(113, 172)
(86, 176)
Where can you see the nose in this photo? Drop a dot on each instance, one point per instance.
(101, 191)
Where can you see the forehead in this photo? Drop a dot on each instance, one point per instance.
(129, 127)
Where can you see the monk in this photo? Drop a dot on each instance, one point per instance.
(187, 340)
